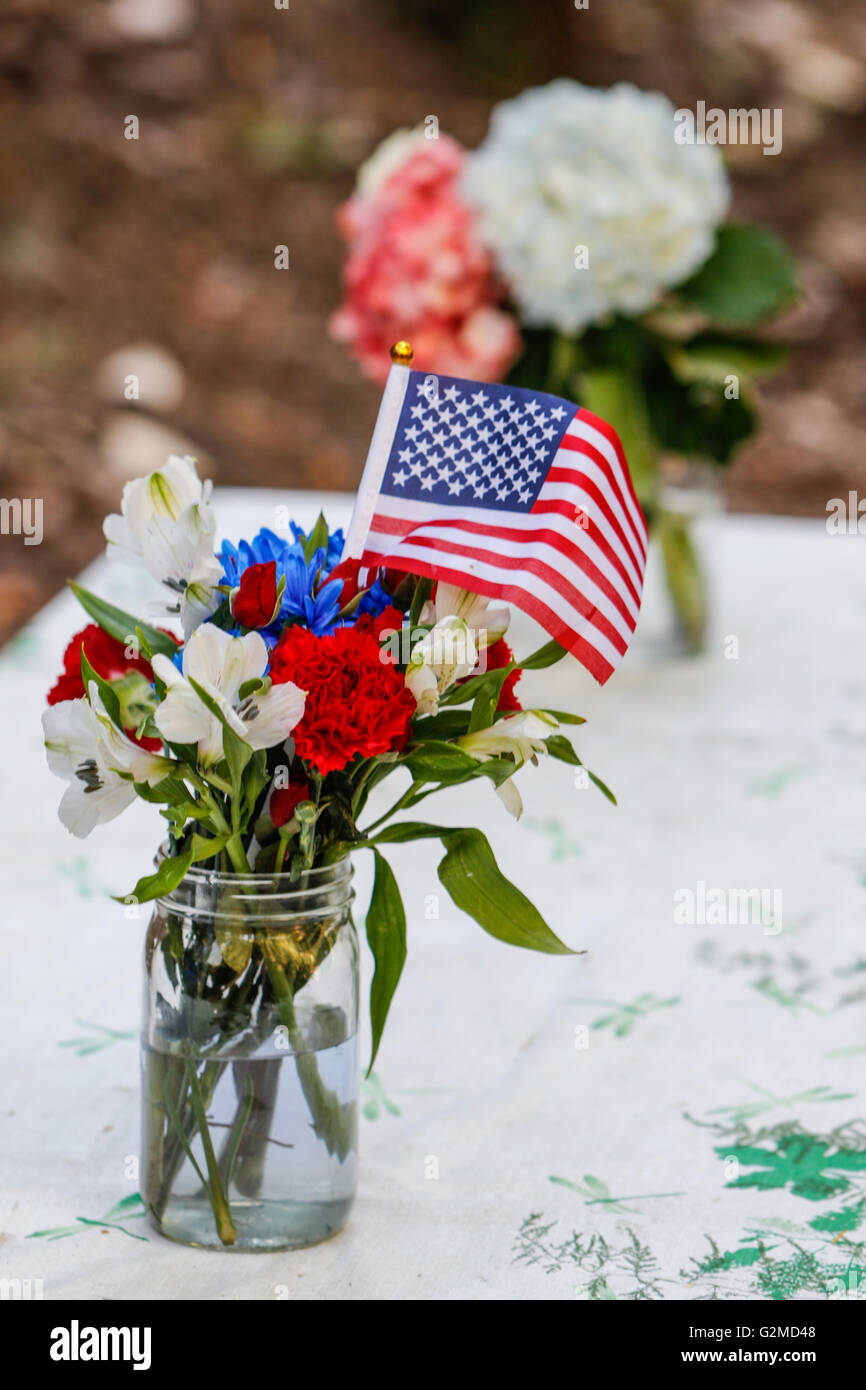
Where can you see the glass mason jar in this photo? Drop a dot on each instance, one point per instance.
(250, 1059)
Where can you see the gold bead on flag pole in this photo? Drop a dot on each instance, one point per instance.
(377, 454)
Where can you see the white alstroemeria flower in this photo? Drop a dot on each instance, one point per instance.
(520, 736)
(99, 762)
(446, 654)
(168, 525)
(487, 621)
(221, 665)
(200, 596)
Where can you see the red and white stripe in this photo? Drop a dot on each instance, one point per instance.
(581, 582)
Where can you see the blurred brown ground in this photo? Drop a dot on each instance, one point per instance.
(252, 121)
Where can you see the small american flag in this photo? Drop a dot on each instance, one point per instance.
(513, 494)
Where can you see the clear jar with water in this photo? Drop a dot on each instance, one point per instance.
(250, 1059)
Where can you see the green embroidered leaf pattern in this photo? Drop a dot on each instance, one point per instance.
(799, 1160)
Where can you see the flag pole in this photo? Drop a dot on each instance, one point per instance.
(379, 451)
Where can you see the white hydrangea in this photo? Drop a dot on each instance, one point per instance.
(567, 166)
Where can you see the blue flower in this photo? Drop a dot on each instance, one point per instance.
(308, 597)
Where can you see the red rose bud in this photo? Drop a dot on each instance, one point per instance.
(498, 656)
(254, 602)
(285, 799)
(347, 571)
(399, 585)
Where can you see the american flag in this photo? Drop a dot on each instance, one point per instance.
(513, 494)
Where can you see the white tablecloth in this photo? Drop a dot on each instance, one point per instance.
(675, 1114)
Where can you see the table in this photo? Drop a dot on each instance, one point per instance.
(674, 1114)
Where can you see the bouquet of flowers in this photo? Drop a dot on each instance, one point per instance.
(582, 246)
(287, 686)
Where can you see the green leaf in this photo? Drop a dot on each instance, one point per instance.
(548, 655)
(169, 874)
(317, 539)
(603, 788)
(237, 755)
(256, 779)
(408, 830)
(434, 761)
(476, 685)
(497, 769)
(144, 646)
(386, 934)
(486, 702)
(207, 846)
(750, 276)
(563, 716)
(178, 813)
(109, 698)
(697, 418)
(713, 357)
(448, 723)
(423, 590)
(120, 625)
(558, 746)
(169, 790)
(470, 874)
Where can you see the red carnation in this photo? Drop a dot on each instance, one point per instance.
(254, 601)
(106, 655)
(498, 656)
(109, 660)
(390, 619)
(357, 705)
(284, 800)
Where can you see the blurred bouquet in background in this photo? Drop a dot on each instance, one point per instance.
(583, 247)
(417, 260)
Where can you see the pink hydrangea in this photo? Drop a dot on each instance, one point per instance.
(416, 269)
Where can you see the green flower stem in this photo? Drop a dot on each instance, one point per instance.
(199, 1101)
(332, 1121)
(280, 856)
(368, 768)
(685, 579)
(157, 1079)
(172, 1100)
(407, 799)
(226, 1229)
(257, 1087)
(565, 358)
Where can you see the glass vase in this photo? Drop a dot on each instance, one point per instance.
(250, 1059)
(689, 496)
